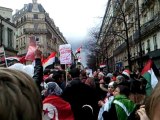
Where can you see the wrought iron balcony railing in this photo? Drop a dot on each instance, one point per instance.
(34, 31)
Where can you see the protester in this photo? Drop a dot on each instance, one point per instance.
(54, 107)
(19, 96)
(90, 82)
(106, 103)
(82, 98)
(121, 106)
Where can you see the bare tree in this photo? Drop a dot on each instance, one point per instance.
(95, 52)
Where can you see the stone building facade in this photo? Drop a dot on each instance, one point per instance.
(33, 20)
(7, 31)
(132, 25)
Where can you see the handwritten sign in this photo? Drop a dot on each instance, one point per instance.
(65, 54)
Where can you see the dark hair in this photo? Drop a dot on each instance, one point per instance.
(46, 72)
(124, 90)
(49, 79)
(57, 75)
(107, 80)
(138, 86)
(75, 72)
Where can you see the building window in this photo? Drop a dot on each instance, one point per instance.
(35, 16)
(36, 26)
(10, 34)
(143, 48)
(17, 44)
(152, 12)
(155, 42)
(148, 45)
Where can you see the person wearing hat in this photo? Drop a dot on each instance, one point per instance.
(106, 103)
(126, 74)
(121, 106)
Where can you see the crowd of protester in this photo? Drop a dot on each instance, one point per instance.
(56, 94)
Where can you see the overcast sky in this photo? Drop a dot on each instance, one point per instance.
(73, 17)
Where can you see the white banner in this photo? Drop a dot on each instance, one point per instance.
(2, 50)
(65, 54)
(3, 61)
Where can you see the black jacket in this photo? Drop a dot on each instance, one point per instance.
(79, 94)
(38, 73)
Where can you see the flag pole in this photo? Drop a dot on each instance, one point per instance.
(66, 74)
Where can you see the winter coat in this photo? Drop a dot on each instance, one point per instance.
(82, 99)
(38, 73)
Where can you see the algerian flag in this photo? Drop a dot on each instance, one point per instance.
(149, 75)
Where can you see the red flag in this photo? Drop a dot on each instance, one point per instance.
(22, 60)
(55, 108)
(79, 58)
(31, 49)
(50, 60)
(79, 50)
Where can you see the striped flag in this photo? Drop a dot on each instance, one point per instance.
(78, 50)
(149, 74)
(49, 61)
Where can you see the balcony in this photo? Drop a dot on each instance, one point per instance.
(148, 28)
(29, 19)
(34, 31)
(151, 25)
(119, 49)
(136, 36)
(32, 19)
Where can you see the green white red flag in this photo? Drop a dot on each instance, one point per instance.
(149, 74)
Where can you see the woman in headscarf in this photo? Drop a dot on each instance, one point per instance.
(121, 106)
(54, 107)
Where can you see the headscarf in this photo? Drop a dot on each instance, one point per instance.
(53, 89)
